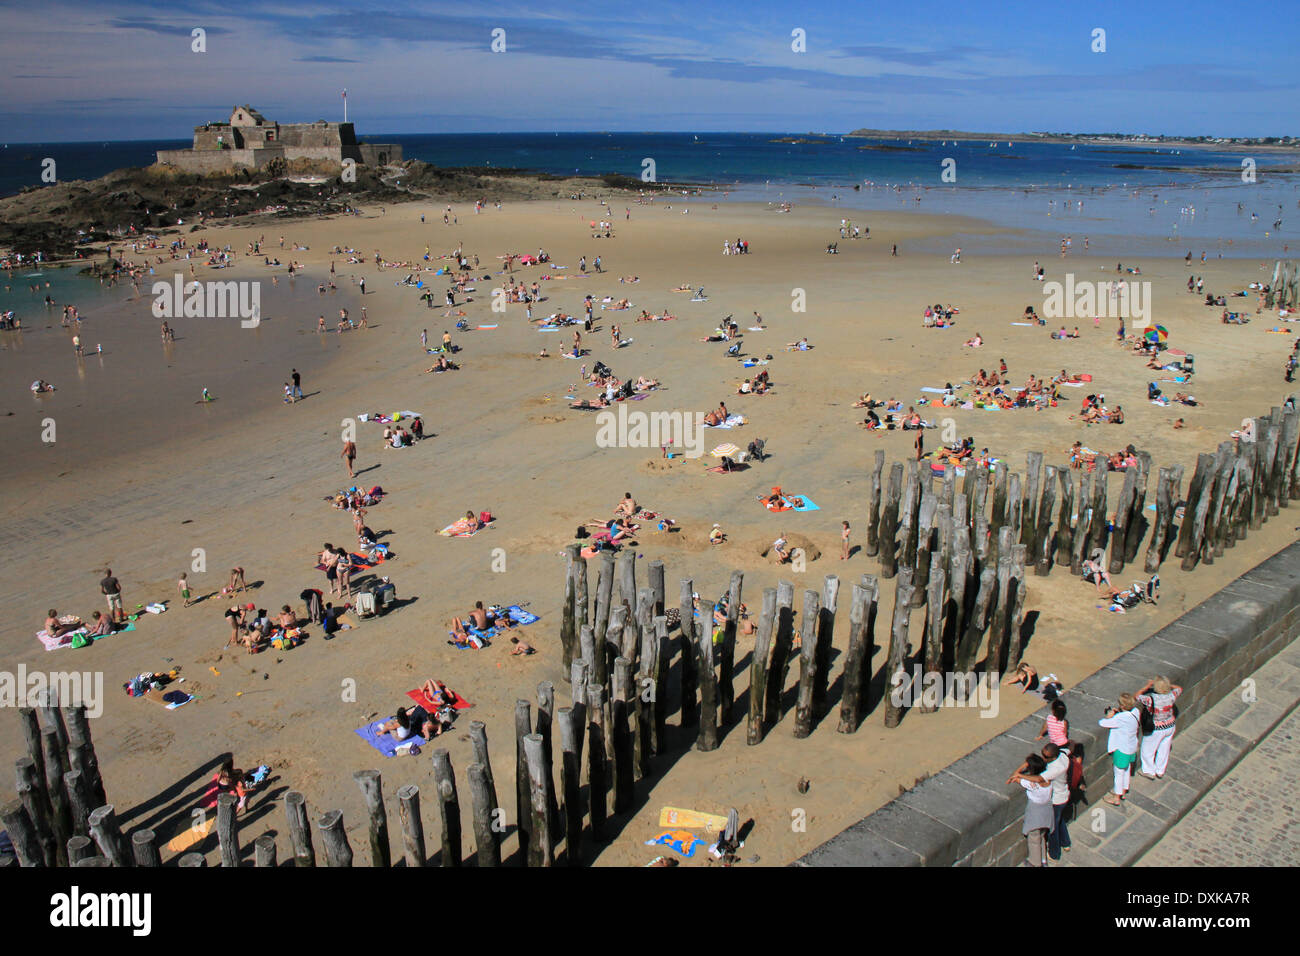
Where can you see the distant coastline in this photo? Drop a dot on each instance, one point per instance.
(1273, 143)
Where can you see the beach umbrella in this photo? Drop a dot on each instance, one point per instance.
(1158, 334)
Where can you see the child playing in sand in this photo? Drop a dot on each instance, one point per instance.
(183, 586)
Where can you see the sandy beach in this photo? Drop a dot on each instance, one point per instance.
(142, 473)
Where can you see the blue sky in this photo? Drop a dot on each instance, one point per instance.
(77, 70)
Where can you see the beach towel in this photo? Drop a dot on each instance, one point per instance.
(419, 696)
(1028, 324)
(724, 470)
(934, 391)
(1072, 384)
(192, 834)
(461, 528)
(750, 363)
(385, 743)
(733, 421)
(53, 643)
(807, 505)
(171, 699)
(520, 616)
(486, 327)
(484, 636)
(683, 841)
(680, 818)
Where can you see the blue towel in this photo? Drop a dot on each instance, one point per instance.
(807, 505)
(384, 743)
(520, 616)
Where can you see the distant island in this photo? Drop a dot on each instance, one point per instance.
(1094, 139)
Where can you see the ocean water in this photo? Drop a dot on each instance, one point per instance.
(1194, 198)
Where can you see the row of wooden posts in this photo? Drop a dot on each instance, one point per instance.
(963, 556)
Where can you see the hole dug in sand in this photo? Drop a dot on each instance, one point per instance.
(798, 544)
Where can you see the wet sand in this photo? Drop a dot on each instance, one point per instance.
(140, 476)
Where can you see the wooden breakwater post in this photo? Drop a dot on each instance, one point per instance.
(540, 851)
(408, 813)
(825, 640)
(727, 664)
(545, 718)
(227, 830)
(31, 791)
(483, 800)
(706, 673)
(803, 718)
(264, 856)
(571, 783)
(597, 772)
(334, 839)
(372, 791)
(55, 763)
(1167, 485)
(894, 667)
(523, 796)
(758, 667)
(81, 751)
(690, 714)
(624, 747)
(144, 848)
(106, 833)
(782, 643)
(295, 808)
(857, 667)
(873, 506)
(568, 614)
(449, 809)
(888, 533)
(22, 834)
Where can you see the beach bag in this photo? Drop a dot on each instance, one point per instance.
(1147, 721)
(80, 640)
(485, 517)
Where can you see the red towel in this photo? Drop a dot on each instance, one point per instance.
(418, 695)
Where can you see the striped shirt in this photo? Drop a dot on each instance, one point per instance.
(1161, 706)
(1056, 730)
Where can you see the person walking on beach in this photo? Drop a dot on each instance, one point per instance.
(894, 252)
(844, 542)
(76, 345)
(320, 324)
(424, 338)
(582, 264)
(364, 323)
(362, 282)
(297, 385)
(112, 592)
(349, 455)
(183, 586)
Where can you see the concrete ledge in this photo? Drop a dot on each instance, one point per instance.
(964, 815)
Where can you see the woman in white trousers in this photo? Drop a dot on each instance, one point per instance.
(1158, 696)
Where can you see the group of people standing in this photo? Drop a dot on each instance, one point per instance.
(1141, 735)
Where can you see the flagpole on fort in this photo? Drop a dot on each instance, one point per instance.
(345, 106)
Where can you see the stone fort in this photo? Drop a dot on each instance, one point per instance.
(250, 141)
